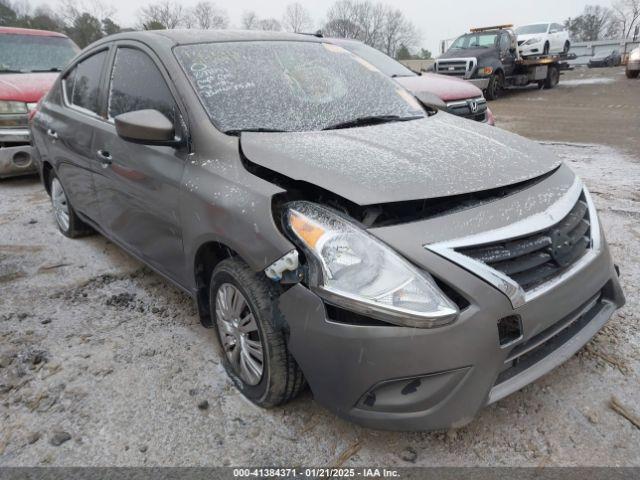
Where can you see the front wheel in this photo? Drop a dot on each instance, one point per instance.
(244, 306)
(496, 84)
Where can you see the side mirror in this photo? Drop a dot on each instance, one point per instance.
(148, 127)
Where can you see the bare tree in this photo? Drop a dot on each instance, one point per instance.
(71, 10)
(626, 15)
(249, 20)
(269, 24)
(164, 12)
(296, 18)
(376, 24)
(594, 23)
(207, 15)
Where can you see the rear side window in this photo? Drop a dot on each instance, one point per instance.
(82, 84)
(137, 84)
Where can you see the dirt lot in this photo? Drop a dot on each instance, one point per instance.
(103, 363)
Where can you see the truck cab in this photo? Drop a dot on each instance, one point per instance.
(488, 57)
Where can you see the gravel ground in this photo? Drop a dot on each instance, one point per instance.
(103, 363)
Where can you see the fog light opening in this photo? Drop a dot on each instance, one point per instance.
(21, 159)
(509, 330)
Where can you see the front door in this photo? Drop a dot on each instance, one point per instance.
(508, 53)
(139, 185)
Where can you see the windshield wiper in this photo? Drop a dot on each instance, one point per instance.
(370, 120)
(238, 131)
(52, 69)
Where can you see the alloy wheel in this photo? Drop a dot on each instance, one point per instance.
(239, 334)
(60, 205)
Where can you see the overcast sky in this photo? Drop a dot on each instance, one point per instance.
(436, 20)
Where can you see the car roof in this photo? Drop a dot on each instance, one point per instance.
(193, 36)
(29, 31)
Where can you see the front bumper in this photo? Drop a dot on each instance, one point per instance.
(528, 50)
(16, 153)
(396, 378)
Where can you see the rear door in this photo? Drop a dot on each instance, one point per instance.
(70, 126)
(139, 185)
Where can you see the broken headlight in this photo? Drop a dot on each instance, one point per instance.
(352, 269)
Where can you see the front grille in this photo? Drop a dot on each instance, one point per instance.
(465, 109)
(526, 355)
(456, 68)
(538, 258)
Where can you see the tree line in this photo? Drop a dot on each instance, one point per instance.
(377, 24)
(620, 21)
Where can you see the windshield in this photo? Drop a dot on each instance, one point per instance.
(28, 53)
(382, 62)
(289, 86)
(476, 40)
(531, 29)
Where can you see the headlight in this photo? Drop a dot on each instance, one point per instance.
(531, 41)
(350, 268)
(635, 55)
(485, 71)
(12, 107)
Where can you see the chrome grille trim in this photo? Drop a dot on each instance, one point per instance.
(528, 226)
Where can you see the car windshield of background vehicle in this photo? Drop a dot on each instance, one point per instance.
(382, 62)
(31, 53)
(531, 29)
(290, 86)
(475, 40)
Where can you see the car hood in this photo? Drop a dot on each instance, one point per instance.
(25, 87)
(447, 88)
(421, 159)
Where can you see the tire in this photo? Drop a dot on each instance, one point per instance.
(280, 379)
(567, 47)
(632, 73)
(67, 220)
(496, 84)
(553, 78)
(546, 49)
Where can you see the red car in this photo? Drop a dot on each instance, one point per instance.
(453, 95)
(29, 64)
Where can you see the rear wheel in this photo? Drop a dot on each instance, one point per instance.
(66, 217)
(244, 307)
(632, 73)
(553, 78)
(496, 84)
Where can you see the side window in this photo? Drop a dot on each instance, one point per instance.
(84, 89)
(137, 84)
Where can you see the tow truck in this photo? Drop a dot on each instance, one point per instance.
(489, 58)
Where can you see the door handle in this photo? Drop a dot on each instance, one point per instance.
(52, 133)
(105, 158)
